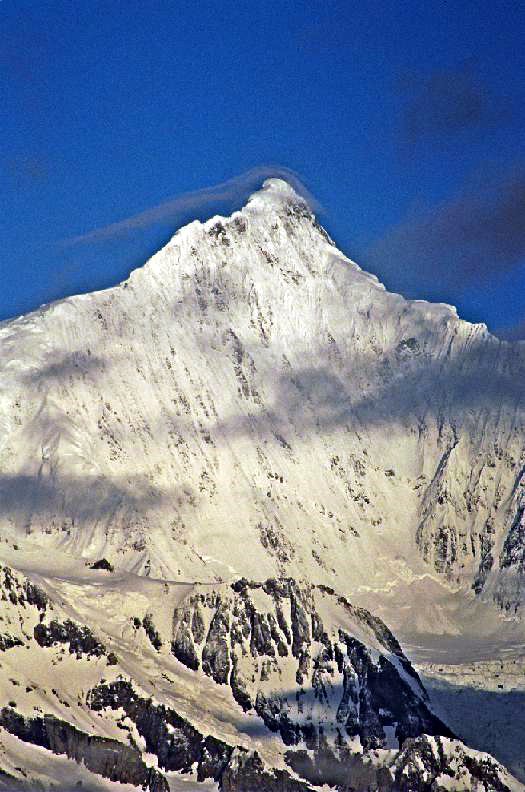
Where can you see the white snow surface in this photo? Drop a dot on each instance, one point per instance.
(251, 403)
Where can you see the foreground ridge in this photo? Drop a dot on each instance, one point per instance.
(297, 688)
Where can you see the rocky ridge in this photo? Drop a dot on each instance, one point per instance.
(278, 685)
(260, 638)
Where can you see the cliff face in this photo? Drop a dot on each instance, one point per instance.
(250, 403)
(278, 686)
(312, 681)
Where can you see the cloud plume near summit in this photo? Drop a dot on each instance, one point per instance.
(178, 208)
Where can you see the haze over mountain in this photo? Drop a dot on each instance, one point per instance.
(254, 433)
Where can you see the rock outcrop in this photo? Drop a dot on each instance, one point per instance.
(277, 685)
(108, 758)
(307, 679)
(179, 746)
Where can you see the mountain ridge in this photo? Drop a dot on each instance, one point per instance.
(277, 192)
(253, 411)
(320, 692)
(226, 303)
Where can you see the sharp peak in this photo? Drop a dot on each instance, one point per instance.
(276, 195)
(277, 191)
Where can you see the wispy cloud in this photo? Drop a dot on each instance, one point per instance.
(448, 101)
(476, 236)
(232, 190)
(515, 332)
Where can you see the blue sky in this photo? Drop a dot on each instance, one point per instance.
(404, 120)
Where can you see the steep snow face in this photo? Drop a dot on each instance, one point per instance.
(250, 402)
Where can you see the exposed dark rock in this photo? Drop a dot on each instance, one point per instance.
(281, 621)
(301, 636)
(102, 563)
(197, 625)
(246, 773)
(299, 210)
(8, 642)
(179, 746)
(21, 591)
(80, 638)
(214, 758)
(240, 688)
(240, 585)
(340, 769)
(421, 762)
(172, 738)
(418, 768)
(408, 346)
(373, 693)
(35, 596)
(486, 561)
(261, 641)
(484, 771)
(279, 588)
(215, 655)
(277, 720)
(182, 645)
(108, 758)
(513, 552)
(151, 632)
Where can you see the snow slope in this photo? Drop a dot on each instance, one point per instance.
(252, 403)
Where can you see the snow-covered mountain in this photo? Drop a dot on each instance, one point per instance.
(252, 403)
(253, 413)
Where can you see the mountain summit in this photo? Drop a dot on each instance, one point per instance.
(252, 403)
(252, 411)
